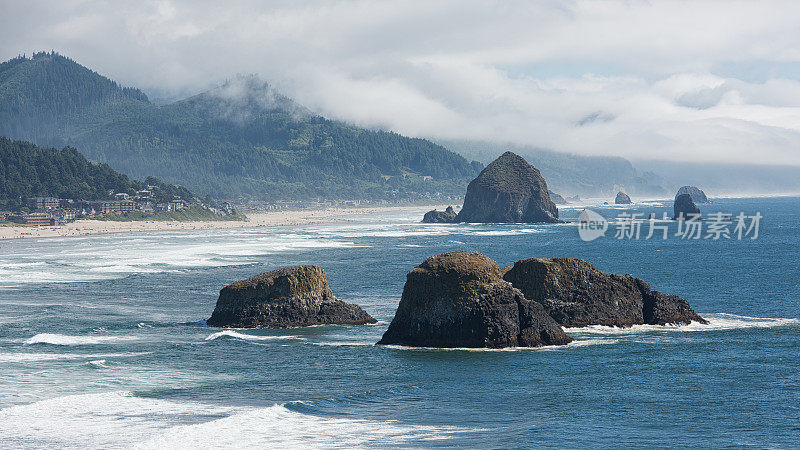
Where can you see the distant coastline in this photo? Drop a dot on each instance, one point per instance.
(254, 220)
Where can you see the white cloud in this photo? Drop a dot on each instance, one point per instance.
(630, 78)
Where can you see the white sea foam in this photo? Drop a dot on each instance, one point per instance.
(720, 321)
(278, 426)
(575, 343)
(120, 420)
(231, 334)
(62, 339)
(98, 363)
(35, 357)
(105, 257)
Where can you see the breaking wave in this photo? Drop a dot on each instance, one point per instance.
(62, 339)
(122, 419)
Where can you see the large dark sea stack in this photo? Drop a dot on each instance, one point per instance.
(509, 190)
(622, 199)
(460, 299)
(576, 294)
(698, 196)
(446, 216)
(684, 206)
(289, 297)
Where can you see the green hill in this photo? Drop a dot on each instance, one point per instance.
(27, 170)
(241, 139)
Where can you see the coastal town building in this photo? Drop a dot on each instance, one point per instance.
(38, 219)
(42, 203)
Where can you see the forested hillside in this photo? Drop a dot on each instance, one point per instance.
(242, 138)
(27, 170)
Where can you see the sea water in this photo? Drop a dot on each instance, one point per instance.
(103, 342)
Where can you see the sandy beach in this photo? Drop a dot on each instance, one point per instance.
(255, 219)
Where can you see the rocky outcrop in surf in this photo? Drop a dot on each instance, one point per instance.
(575, 294)
(509, 190)
(697, 194)
(446, 216)
(289, 297)
(622, 199)
(684, 207)
(460, 299)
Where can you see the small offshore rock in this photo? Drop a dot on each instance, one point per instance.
(446, 216)
(698, 196)
(289, 297)
(684, 207)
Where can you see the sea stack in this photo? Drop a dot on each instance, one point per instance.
(446, 216)
(460, 299)
(509, 190)
(698, 196)
(622, 199)
(684, 207)
(575, 294)
(290, 297)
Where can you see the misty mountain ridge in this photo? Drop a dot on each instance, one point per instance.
(570, 174)
(245, 138)
(240, 139)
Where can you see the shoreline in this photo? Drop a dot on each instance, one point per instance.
(88, 227)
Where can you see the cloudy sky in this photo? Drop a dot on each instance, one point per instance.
(673, 80)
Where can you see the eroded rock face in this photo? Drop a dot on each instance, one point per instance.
(697, 194)
(576, 294)
(289, 297)
(446, 216)
(622, 199)
(459, 299)
(509, 190)
(684, 206)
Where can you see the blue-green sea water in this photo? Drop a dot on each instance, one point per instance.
(103, 343)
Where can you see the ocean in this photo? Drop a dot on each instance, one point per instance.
(103, 342)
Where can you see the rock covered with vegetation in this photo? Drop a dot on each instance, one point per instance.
(460, 299)
(509, 190)
(446, 216)
(684, 207)
(288, 297)
(697, 194)
(622, 199)
(576, 294)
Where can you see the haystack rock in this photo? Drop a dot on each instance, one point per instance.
(446, 216)
(698, 196)
(509, 190)
(460, 299)
(576, 294)
(684, 206)
(622, 199)
(289, 297)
